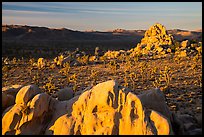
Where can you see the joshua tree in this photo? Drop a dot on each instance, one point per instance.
(97, 53)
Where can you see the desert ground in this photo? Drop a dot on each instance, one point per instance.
(176, 71)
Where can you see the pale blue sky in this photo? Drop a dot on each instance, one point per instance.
(103, 16)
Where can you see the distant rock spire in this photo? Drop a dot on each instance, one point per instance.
(156, 40)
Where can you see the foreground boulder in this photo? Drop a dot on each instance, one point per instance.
(7, 100)
(9, 95)
(106, 108)
(109, 109)
(30, 113)
(64, 94)
(12, 90)
(154, 99)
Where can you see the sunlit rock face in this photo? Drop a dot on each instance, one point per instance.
(29, 114)
(156, 41)
(157, 34)
(106, 108)
(110, 109)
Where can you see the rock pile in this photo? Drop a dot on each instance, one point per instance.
(186, 48)
(106, 108)
(156, 41)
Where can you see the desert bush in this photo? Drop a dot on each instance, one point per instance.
(6, 61)
(52, 66)
(199, 49)
(133, 78)
(31, 61)
(84, 60)
(156, 83)
(36, 78)
(142, 69)
(14, 60)
(93, 76)
(5, 69)
(153, 73)
(96, 53)
(41, 63)
(50, 86)
(113, 65)
(73, 79)
(166, 75)
(66, 69)
(136, 58)
(103, 59)
(163, 81)
(122, 58)
(59, 60)
(129, 64)
(126, 84)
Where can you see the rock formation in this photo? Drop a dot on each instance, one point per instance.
(9, 95)
(156, 41)
(64, 94)
(106, 108)
(29, 114)
(117, 111)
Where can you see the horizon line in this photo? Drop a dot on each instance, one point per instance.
(49, 27)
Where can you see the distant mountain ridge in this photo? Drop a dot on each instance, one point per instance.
(20, 40)
(27, 33)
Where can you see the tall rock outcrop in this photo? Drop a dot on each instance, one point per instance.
(156, 41)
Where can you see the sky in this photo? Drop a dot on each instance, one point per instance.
(104, 16)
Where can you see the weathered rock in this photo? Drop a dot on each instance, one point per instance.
(118, 111)
(64, 94)
(11, 120)
(61, 125)
(12, 90)
(39, 104)
(27, 93)
(161, 123)
(189, 124)
(155, 40)
(7, 100)
(9, 95)
(185, 118)
(154, 99)
(106, 108)
(28, 119)
(177, 125)
(81, 91)
(199, 120)
(197, 131)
